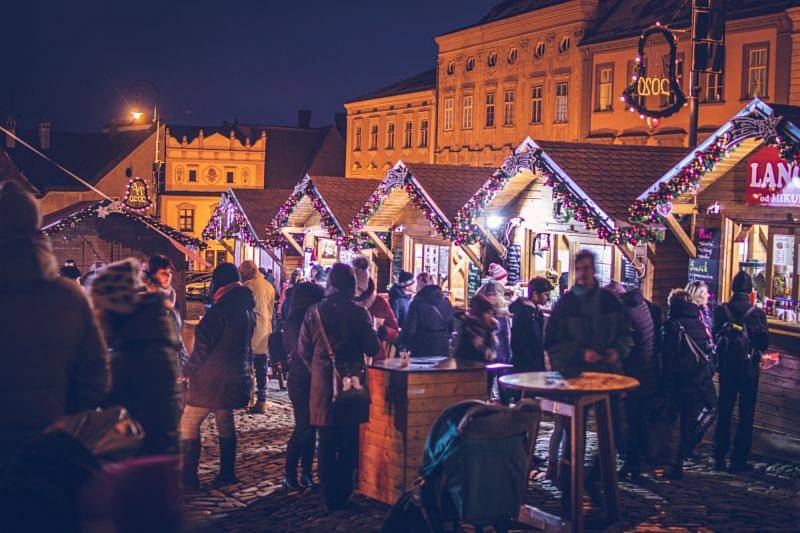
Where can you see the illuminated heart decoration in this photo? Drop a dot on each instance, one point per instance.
(631, 93)
(664, 209)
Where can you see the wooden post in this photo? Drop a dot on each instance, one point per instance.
(472, 255)
(379, 244)
(285, 232)
(681, 235)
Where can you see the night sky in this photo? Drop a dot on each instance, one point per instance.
(259, 61)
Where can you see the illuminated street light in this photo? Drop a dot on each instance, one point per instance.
(136, 115)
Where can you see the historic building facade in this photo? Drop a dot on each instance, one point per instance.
(555, 70)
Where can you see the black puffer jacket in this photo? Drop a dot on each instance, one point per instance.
(527, 336)
(428, 324)
(675, 374)
(477, 340)
(219, 367)
(144, 369)
(642, 362)
(757, 327)
(400, 300)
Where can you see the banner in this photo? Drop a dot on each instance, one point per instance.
(771, 181)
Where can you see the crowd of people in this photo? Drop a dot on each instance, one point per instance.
(122, 346)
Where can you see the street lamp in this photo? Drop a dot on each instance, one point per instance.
(136, 115)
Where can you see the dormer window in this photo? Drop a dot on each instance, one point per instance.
(538, 51)
(492, 59)
(451, 68)
(563, 46)
(512, 56)
(470, 64)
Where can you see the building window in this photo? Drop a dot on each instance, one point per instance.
(538, 52)
(562, 101)
(512, 56)
(466, 113)
(670, 98)
(604, 87)
(357, 139)
(373, 137)
(713, 88)
(423, 133)
(451, 68)
(756, 69)
(492, 59)
(448, 114)
(193, 174)
(389, 136)
(536, 104)
(563, 46)
(470, 64)
(408, 134)
(490, 110)
(229, 176)
(222, 257)
(509, 98)
(186, 220)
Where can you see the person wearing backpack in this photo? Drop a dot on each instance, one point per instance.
(742, 334)
(686, 377)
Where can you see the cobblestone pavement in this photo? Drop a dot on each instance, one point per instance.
(765, 500)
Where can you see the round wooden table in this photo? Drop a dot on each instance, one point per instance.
(570, 398)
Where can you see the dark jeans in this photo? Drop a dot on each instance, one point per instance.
(303, 441)
(260, 367)
(636, 408)
(338, 459)
(743, 384)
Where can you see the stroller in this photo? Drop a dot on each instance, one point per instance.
(474, 471)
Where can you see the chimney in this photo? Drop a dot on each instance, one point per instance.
(11, 125)
(340, 119)
(304, 118)
(44, 134)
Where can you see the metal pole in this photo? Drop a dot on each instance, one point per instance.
(694, 105)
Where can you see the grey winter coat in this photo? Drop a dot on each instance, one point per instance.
(429, 323)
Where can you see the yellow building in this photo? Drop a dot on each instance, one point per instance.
(204, 161)
(396, 122)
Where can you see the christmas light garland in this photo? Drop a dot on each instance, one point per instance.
(236, 228)
(106, 208)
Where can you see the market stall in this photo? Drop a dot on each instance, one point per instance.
(90, 232)
(551, 199)
(415, 204)
(734, 204)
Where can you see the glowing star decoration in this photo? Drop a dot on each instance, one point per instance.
(137, 196)
(642, 86)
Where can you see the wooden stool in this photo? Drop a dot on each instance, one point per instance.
(570, 398)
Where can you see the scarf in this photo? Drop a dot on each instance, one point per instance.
(225, 289)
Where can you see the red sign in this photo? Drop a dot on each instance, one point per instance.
(771, 181)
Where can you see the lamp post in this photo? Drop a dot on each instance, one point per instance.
(137, 90)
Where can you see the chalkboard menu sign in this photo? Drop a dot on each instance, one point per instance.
(397, 262)
(513, 262)
(628, 277)
(705, 267)
(473, 280)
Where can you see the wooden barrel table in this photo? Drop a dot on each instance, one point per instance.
(405, 402)
(570, 398)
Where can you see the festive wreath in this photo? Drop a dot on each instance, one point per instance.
(631, 93)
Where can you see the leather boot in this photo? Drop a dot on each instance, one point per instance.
(190, 457)
(227, 462)
(259, 408)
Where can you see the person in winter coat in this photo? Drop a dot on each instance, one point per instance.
(218, 372)
(738, 371)
(477, 336)
(54, 358)
(141, 333)
(303, 441)
(429, 321)
(493, 291)
(157, 276)
(264, 297)
(400, 295)
(588, 330)
(380, 310)
(348, 327)
(699, 293)
(285, 301)
(686, 379)
(642, 363)
(527, 327)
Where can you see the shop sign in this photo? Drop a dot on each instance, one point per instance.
(137, 197)
(771, 181)
(628, 277)
(705, 267)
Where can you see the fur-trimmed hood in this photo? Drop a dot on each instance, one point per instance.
(26, 259)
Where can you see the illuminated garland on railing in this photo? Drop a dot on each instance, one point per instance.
(237, 228)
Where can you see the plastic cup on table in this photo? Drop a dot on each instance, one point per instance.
(405, 357)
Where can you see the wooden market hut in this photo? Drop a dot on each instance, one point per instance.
(101, 231)
(734, 204)
(416, 204)
(313, 220)
(550, 199)
(242, 215)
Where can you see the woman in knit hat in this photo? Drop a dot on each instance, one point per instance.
(382, 314)
(142, 335)
(218, 372)
(347, 326)
(476, 336)
(54, 359)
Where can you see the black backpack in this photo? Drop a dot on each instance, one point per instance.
(734, 346)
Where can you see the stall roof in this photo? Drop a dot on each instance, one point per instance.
(259, 206)
(344, 196)
(449, 186)
(58, 220)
